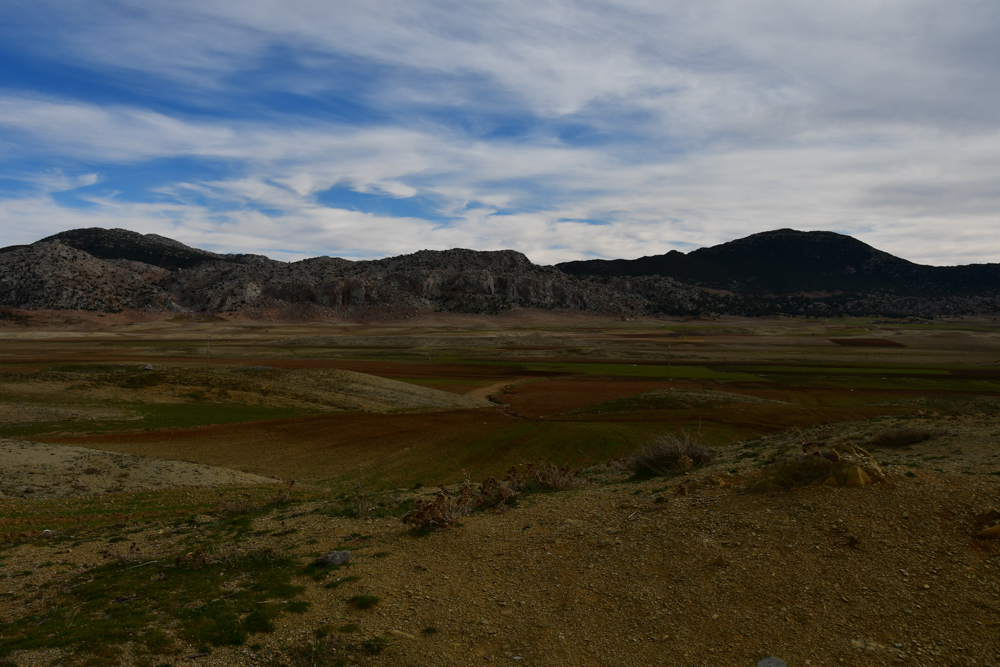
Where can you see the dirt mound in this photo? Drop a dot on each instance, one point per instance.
(37, 470)
(842, 465)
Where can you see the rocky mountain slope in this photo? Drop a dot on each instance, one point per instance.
(97, 269)
(780, 272)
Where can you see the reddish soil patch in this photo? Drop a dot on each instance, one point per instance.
(866, 342)
(310, 448)
(555, 396)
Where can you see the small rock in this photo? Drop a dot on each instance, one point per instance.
(30, 489)
(771, 661)
(400, 633)
(333, 558)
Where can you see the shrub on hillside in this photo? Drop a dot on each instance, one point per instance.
(446, 508)
(670, 455)
(895, 438)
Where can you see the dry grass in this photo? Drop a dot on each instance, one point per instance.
(670, 455)
(447, 509)
(895, 438)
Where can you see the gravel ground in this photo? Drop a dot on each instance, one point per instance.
(629, 574)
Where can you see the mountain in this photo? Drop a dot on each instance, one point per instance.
(779, 272)
(147, 248)
(787, 261)
(114, 270)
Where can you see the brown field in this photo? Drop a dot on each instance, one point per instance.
(366, 417)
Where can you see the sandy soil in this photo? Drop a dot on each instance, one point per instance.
(630, 574)
(39, 470)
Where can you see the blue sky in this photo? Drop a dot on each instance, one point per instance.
(561, 129)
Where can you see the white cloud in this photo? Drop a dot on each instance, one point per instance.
(704, 122)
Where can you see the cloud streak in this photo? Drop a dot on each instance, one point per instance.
(562, 129)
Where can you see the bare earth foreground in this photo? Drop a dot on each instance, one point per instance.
(60, 471)
(116, 558)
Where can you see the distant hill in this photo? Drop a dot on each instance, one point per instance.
(115, 270)
(147, 248)
(780, 272)
(787, 261)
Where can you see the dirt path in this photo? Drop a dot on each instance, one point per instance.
(487, 391)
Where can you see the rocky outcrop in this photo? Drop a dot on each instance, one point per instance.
(53, 275)
(841, 465)
(114, 270)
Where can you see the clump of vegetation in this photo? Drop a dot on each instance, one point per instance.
(445, 510)
(328, 650)
(363, 601)
(207, 600)
(230, 505)
(448, 508)
(670, 455)
(896, 438)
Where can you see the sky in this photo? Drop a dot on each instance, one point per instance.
(562, 129)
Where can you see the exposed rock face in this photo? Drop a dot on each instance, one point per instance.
(113, 270)
(55, 276)
(52, 274)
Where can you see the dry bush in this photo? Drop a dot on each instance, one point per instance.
(670, 455)
(544, 477)
(444, 510)
(232, 505)
(894, 438)
(447, 509)
(283, 495)
(496, 492)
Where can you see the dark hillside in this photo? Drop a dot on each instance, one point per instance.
(147, 248)
(787, 261)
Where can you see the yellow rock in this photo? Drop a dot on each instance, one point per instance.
(857, 477)
(831, 481)
(991, 533)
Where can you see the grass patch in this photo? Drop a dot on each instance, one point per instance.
(363, 601)
(340, 581)
(634, 370)
(209, 601)
(328, 650)
(895, 438)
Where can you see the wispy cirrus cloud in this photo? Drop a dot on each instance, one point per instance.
(562, 129)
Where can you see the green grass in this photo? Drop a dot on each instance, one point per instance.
(482, 452)
(155, 417)
(655, 400)
(363, 601)
(77, 516)
(209, 602)
(632, 370)
(843, 370)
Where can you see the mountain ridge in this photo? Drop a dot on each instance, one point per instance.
(771, 273)
(787, 261)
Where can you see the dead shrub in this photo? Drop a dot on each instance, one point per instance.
(283, 495)
(670, 455)
(895, 438)
(544, 477)
(233, 505)
(447, 509)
